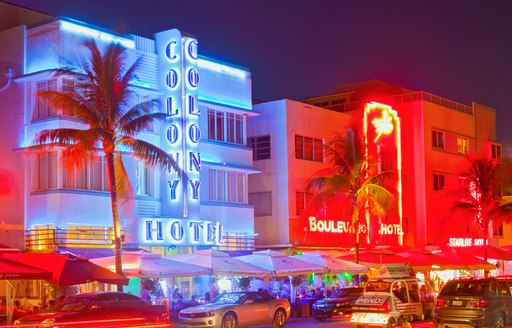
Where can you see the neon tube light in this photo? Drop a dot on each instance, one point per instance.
(221, 68)
(103, 36)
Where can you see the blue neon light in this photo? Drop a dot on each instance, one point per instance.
(103, 36)
(224, 101)
(222, 68)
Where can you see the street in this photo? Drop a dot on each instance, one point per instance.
(309, 322)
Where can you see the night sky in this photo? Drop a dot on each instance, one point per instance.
(458, 49)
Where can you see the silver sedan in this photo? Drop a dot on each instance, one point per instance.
(231, 310)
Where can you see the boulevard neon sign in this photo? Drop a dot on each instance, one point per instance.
(346, 227)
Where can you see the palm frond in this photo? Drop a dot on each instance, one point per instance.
(124, 188)
(61, 136)
(149, 153)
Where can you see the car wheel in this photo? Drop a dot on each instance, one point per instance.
(229, 320)
(320, 319)
(391, 323)
(499, 321)
(279, 319)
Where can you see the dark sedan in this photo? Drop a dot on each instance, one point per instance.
(338, 305)
(110, 309)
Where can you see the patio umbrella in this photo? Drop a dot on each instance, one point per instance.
(280, 264)
(10, 270)
(142, 264)
(67, 269)
(220, 263)
(493, 252)
(375, 260)
(429, 260)
(332, 264)
(462, 260)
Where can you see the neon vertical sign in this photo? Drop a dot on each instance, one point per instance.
(381, 126)
(179, 80)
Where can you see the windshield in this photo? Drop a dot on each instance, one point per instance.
(346, 292)
(233, 298)
(464, 288)
(73, 304)
(378, 286)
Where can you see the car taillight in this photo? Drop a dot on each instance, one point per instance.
(481, 303)
(386, 306)
(440, 303)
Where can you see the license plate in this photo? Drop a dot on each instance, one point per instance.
(457, 303)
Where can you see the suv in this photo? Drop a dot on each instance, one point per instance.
(475, 302)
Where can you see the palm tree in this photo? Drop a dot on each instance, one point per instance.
(481, 194)
(102, 101)
(351, 178)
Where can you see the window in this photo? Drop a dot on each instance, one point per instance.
(75, 177)
(144, 179)
(44, 109)
(496, 152)
(498, 230)
(46, 171)
(260, 147)
(438, 182)
(262, 202)
(462, 145)
(438, 139)
(225, 127)
(44, 234)
(227, 186)
(143, 100)
(91, 175)
(302, 200)
(309, 149)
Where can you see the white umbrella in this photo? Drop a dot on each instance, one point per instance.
(280, 264)
(220, 263)
(334, 265)
(147, 265)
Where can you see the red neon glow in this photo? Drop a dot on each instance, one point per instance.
(384, 124)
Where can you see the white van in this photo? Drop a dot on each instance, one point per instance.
(393, 296)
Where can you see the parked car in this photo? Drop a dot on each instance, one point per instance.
(475, 302)
(110, 309)
(230, 310)
(338, 305)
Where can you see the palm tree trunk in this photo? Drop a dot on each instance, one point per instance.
(355, 224)
(115, 215)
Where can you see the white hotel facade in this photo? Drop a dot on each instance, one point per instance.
(44, 207)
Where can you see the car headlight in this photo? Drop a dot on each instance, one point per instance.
(17, 322)
(47, 322)
(209, 314)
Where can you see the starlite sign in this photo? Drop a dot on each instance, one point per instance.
(180, 232)
(465, 242)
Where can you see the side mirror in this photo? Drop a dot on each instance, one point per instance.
(249, 301)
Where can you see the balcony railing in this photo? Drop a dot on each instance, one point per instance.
(402, 98)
